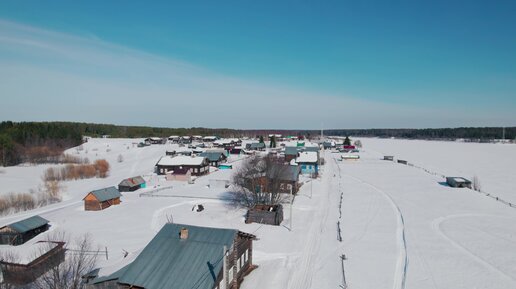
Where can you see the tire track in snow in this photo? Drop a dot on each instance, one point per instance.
(400, 275)
(436, 226)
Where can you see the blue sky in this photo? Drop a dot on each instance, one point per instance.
(260, 64)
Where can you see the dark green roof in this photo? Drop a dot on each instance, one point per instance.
(106, 194)
(257, 145)
(311, 149)
(213, 156)
(168, 262)
(28, 224)
(291, 151)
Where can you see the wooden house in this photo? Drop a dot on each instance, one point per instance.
(182, 164)
(170, 152)
(22, 231)
(236, 150)
(50, 254)
(388, 158)
(131, 184)
(174, 138)
(195, 257)
(154, 140)
(257, 146)
(101, 199)
(291, 153)
(265, 214)
(215, 157)
(403, 162)
(309, 163)
(458, 182)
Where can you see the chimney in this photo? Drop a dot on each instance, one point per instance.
(183, 234)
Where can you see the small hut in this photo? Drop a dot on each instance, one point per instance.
(265, 214)
(101, 199)
(131, 184)
(388, 158)
(22, 231)
(458, 182)
(50, 254)
(403, 162)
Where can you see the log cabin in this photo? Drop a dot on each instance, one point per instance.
(198, 166)
(101, 199)
(195, 257)
(215, 157)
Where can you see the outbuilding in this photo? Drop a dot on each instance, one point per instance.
(101, 199)
(131, 184)
(458, 182)
(265, 214)
(22, 231)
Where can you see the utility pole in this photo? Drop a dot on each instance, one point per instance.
(291, 201)
(344, 285)
(224, 269)
(503, 133)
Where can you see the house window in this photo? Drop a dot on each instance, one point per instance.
(239, 264)
(246, 255)
(230, 274)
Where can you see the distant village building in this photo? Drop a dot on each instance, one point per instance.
(214, 157)
(209, 138)
(174, 138)
(170, 153)
(154, 140)
(185, 256)
(403, 162)
(350, 157)
(131, 184)
(458, 182)
(291, 153)
(388, 158)
(101, 199)
(186, 139)
(20, 232)
(182, 164)
(48, 255)
(257, 146)
(309, 163)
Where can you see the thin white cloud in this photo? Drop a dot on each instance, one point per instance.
(47, 75)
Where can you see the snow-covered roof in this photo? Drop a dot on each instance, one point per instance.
(307, 157)
(181, 161)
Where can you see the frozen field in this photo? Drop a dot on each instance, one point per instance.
(401, 228)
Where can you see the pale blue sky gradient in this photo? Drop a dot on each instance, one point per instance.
(260, 64)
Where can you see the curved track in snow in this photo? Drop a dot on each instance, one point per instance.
(400, 275)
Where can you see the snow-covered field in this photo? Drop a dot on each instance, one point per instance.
(401, 228)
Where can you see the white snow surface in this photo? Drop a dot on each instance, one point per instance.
(400, 226)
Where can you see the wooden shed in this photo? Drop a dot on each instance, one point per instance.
(403, 162)
(458, 182)
(101, 199)
(22, 231)
(265, 214)
(52, 254)
(388, 158)
(131, 184)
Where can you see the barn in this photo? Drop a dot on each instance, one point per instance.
(265, 214)
(458, 182)
(22, 231)
(131, 184)
(194, 258)
(101, 199)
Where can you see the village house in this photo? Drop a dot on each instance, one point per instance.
(101, 199)
(154, 140)
(185, 256)
(265, 214)
(215, 157)
(174, 138)
(197, 166)
(47, 254)
(131, 184)
(20, 232)
(170, 152)
(257, 146)
(186, 139)
(291, 153)
(308, 162)
(209, 138)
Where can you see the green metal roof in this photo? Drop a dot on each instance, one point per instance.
(106, 194)
(292, 151)
(311, 149)
(28, 224)
(171, 263)
(212, 156)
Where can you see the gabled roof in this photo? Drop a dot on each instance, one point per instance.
(131, 182)
(307, 157)
(288, 172)
(257, 145)
(170, 262)
(291, 151)
(213, 156)
(106, 194)
(28, 224)
(311, 149)
(181, 161)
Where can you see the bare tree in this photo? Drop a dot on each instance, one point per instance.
(120, 158)
(80, 258)
(260, 181)
(476, 184)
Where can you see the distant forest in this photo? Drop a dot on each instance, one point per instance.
(35, 141)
